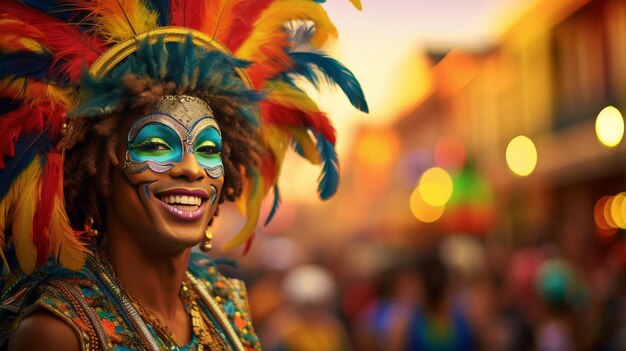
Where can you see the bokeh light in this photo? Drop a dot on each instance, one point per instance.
(450, 153)
(606, 210)
(422, 210)
(598, 213)
(435, 186)
(610, 126)
(521, 156)
(609, 215)
(616, 210)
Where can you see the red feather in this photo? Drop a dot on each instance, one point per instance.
(281, 115)
(249, 14)
(270, 60)
(51, 185)
(248, 244)
(32, 118)
(223, 17)
(187, 13)
(72, 50)
(13, 31)
(267, 168)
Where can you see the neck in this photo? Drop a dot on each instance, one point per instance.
(156, 281)
(154, 278)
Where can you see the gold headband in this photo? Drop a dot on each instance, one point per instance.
(118, 52)
(170, 34)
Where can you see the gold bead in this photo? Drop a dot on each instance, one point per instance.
(206, 244)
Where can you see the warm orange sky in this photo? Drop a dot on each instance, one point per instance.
(384, 46)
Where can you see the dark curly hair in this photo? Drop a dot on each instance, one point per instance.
(88, 163)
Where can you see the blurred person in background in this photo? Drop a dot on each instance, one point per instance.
(440, 321)
(557, 286)
(416, 310)
(383, 321)
(307, 321)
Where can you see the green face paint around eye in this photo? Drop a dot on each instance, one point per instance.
(156, 142)
(208, 147)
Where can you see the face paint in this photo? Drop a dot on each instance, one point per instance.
(179, 124)
(173, 174)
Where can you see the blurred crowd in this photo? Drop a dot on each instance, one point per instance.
(458, 292)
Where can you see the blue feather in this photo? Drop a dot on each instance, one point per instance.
(190, 61)
(172, 62)
(310, 65)
(329, 178)
(25, 64)
(162, 7)
(297, 148)
(26, 148)
(59, 9)
(274, 205)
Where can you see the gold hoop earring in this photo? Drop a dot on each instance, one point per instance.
(206, 244)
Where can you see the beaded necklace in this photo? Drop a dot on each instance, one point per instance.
(151, 330)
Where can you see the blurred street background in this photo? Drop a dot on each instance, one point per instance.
(482, 203)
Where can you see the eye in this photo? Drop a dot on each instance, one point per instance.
(208, 147)
(152, 144)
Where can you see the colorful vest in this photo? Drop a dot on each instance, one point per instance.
(91, 306)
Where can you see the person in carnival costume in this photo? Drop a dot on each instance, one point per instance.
(125, 123)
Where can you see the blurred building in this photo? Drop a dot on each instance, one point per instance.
(548, 78)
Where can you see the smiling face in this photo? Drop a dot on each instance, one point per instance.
(172, 176)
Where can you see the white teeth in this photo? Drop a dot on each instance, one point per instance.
(182, 200)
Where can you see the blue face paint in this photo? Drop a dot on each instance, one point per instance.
(208, 147)
(156, 142)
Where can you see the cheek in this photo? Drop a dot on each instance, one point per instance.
(129, 193)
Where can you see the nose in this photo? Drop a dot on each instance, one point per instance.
(188, 168)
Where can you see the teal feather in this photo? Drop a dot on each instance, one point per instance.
(275, 204)
(170, 62)
(329, 178)
(315, 66)
(163, 8)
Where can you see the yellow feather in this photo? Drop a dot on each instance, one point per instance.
(240, 202)
(282, 93)
(35, 91)
(117, 20)
(253, 213)
(6, 210)
(307, 145)
(277, 140)
(23, 196)
(32, 45)
(65, 246)
(278, 14)
(357, 4)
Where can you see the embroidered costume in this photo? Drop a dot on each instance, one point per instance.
(214, 84)
(93, 303)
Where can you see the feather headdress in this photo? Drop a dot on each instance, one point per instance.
(67, 57)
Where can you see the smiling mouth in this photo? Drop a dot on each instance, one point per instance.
(184, 204)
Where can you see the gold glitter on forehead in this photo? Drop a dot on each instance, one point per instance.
(186, 109)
